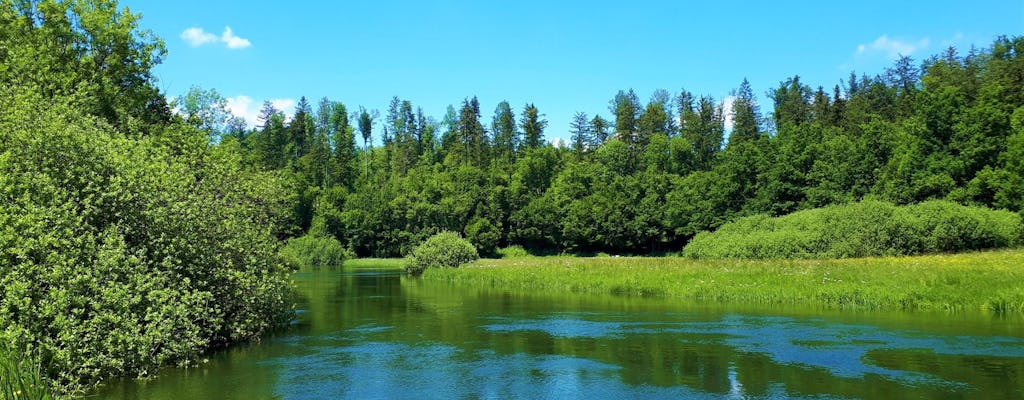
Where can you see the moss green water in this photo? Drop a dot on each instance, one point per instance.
(368, 334)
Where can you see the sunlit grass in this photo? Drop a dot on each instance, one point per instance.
(990, 281)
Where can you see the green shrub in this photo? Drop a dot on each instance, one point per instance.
(514, 251)
(862, 229)
(443, 250)
(123, 253)
(313, 250)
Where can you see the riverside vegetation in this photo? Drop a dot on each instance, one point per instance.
(968, 282)
(138, 232)
(864, 229)
(127, 241)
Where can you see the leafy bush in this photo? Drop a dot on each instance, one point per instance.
(514, 251)
(314, 250)
(443, 250)
(122, 253)
(863, 229)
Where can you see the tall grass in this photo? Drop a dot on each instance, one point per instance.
(864, 229)
(20, 377)
(969, 282)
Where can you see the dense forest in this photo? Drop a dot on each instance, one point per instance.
(649, 177)
(138, 231)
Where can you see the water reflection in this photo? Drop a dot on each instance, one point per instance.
(368, 335)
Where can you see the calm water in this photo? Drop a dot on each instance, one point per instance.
(366, 335)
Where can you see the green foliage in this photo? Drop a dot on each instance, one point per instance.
(313, 250)
(124, 254)
(87, 50)
(483, 235)
(514, 251)
(443, 250)
(950, 128)
(864, 229)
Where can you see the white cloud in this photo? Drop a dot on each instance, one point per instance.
(232, 41)
(892, 48)
(196, 37)
(243, 106)
(285, 105)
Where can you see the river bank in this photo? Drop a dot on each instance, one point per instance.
(987, 282)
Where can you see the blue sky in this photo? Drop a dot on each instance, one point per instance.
(563, 56)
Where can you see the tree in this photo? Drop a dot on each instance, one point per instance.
(702, 126)
(655, 119)
(599, 128)
(746, 115)
(92, 51)
(206, 110)
(506, 138)
(532, 124)
(792, 102)
(366, 131)
(428, 136)
(582, 137)
(344, 146)
(300, 130)
(626, 109)
(471, 134)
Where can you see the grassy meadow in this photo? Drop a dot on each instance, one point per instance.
(990, 281)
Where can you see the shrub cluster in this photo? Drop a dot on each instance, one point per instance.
(513, 251)
(443, 250)
(863, 229)
(121, 253)
(313, 250)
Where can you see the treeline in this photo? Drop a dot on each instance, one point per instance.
(651, 176)
(127, 242)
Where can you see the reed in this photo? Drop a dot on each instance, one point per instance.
(21, 377)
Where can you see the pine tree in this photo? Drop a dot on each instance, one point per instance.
(506, 138)
(626, 109)
(472, 135)
(599, 128)
(344, 146)
(532, 124)
(746, 115)
(582, 137)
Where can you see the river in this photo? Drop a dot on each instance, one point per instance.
(377, 334)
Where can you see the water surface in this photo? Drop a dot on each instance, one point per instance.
(367, 335)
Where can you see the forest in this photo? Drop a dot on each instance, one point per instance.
(644, 178)
(139, 230)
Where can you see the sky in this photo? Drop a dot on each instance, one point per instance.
(563, 56)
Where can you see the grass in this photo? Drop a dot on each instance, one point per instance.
(991, 281)
(20, 378)
(397, 264)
